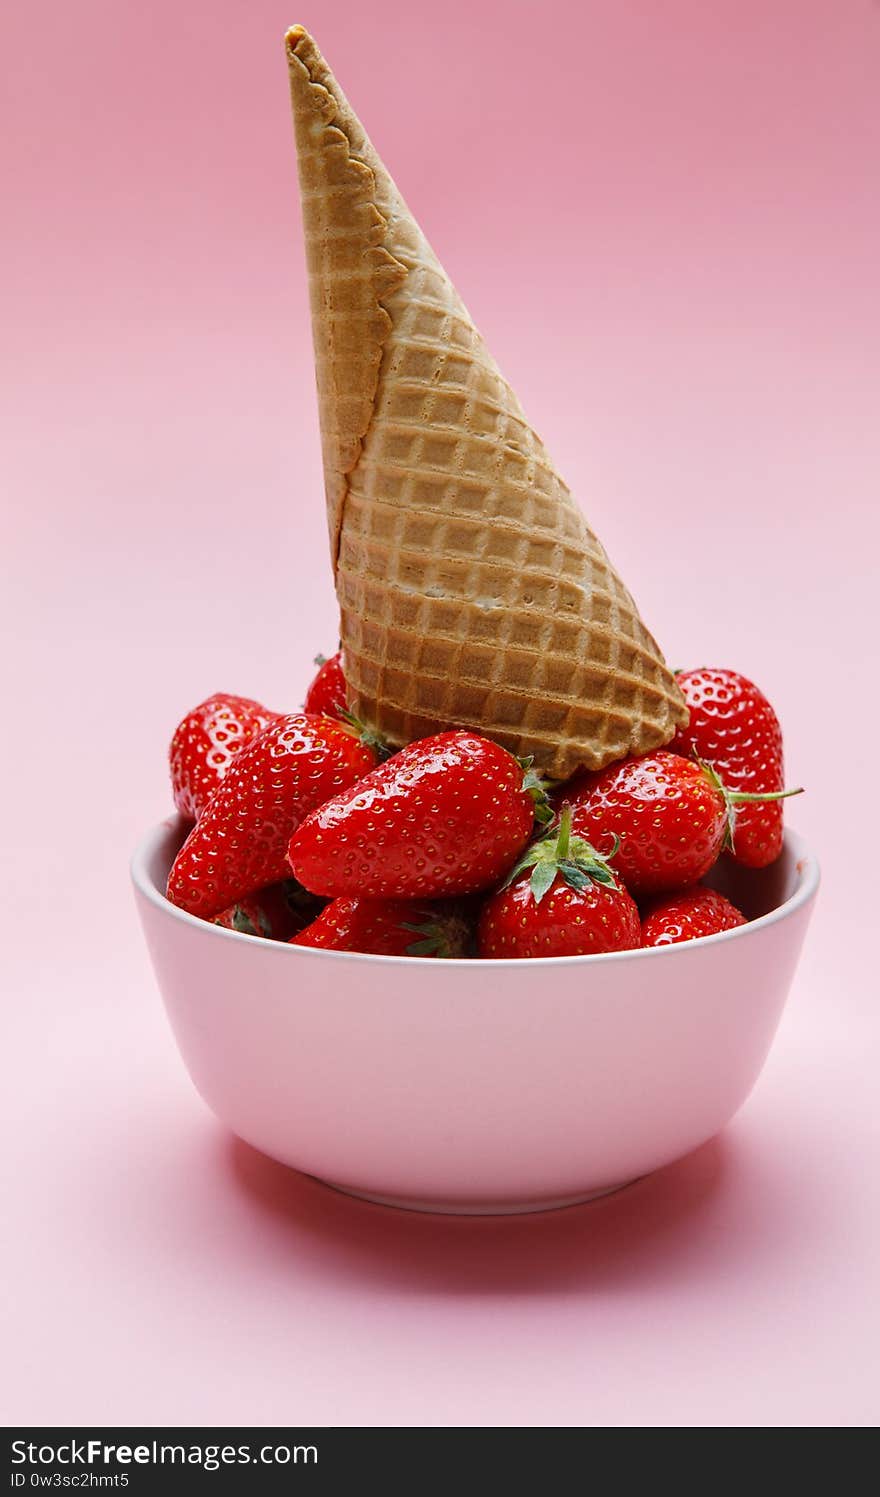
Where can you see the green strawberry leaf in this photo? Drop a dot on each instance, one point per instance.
(444, 935)
(537, 786)
(368, 736)
(242, 922)
(428, 947)
(541, 880)
(575, 859)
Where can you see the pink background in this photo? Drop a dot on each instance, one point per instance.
(666, 221)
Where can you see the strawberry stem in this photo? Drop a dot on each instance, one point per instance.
(563, 841)
(745, 797)
(734, 798)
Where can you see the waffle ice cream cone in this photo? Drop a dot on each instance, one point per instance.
(472, 592)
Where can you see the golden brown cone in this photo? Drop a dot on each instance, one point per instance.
(472, 591)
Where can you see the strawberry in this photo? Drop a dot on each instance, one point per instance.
(277, 913)
(570, 904)
(687, 916)
(447, 815)
(327, 692)
(240, 843)
(205, 744)
(671, 815)
(734, 728)
(386, 927)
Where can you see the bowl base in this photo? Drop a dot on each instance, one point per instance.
(475, 1208)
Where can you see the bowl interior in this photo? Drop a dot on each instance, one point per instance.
(759, 891)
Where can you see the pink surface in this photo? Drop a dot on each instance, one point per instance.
(666, 222)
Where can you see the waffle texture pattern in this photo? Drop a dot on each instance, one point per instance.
(472, 592)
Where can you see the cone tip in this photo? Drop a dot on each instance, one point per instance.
(293, 36)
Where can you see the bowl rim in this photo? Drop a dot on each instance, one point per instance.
(808, 882)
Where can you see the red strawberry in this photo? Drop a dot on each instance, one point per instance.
(689, 915)
(734, 728)
(327, 692)
(672, 816)
(240, 843)
(447, 815)
(571, 904)
(277, 913)
(205, 744)
(386, 927)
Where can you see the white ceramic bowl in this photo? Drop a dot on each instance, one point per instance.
(472, 1086)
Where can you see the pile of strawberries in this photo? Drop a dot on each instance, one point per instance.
(308, 830)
